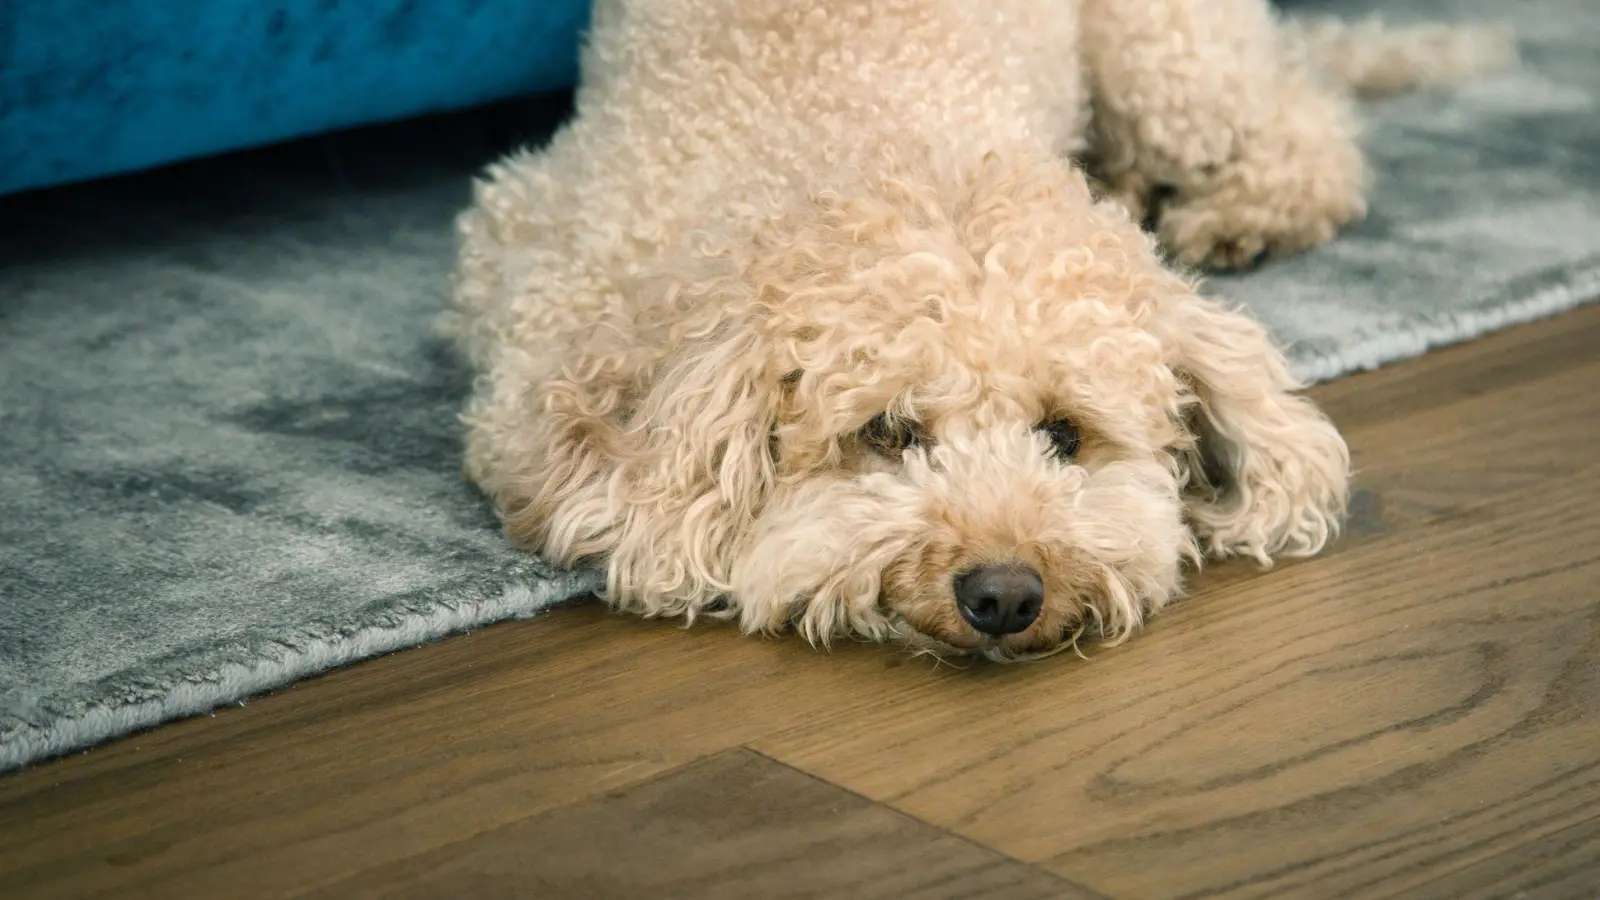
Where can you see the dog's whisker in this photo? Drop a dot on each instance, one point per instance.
(1072, 641)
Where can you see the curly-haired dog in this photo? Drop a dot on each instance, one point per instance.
(807, 318)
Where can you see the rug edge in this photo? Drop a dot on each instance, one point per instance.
(234, 682)
(1579, 286)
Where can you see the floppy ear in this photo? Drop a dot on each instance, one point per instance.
(1269, 473)
(654, 467)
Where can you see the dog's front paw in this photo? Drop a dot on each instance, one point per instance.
(1245, 214)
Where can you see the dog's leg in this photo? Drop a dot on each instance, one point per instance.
(1239, 153)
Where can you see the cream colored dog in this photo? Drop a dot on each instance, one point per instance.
(808, 319)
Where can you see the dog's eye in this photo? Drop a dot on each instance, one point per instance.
(1065, 438)
(891, 437)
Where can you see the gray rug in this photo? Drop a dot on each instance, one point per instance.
(228, 457)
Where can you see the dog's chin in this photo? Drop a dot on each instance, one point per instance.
(1011, 649)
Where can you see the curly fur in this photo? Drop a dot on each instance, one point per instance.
(772, 221)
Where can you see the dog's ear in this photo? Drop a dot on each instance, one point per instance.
(1268, 472)
(658, 475)
(705, 425)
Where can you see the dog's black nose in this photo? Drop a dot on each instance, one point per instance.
(999, 599)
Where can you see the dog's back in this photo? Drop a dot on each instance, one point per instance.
(701, 118)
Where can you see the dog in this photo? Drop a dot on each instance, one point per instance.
(812, 318)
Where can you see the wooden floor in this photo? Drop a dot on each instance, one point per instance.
(1415, 714)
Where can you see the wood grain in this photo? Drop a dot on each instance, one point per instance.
(736, 825)
(1564, 863)
(380, 762)
(1412, 714)
(1319, 731)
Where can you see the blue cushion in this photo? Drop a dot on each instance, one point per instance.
(90, 87)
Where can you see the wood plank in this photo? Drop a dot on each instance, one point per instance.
(382, 761)
(736, 825)
(1436, 643)
(1442, 459)
(1563, 865)
(1318, 730)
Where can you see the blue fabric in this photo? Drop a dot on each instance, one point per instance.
(96, 87)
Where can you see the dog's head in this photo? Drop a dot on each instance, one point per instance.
(976, 431)
(987, 474)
